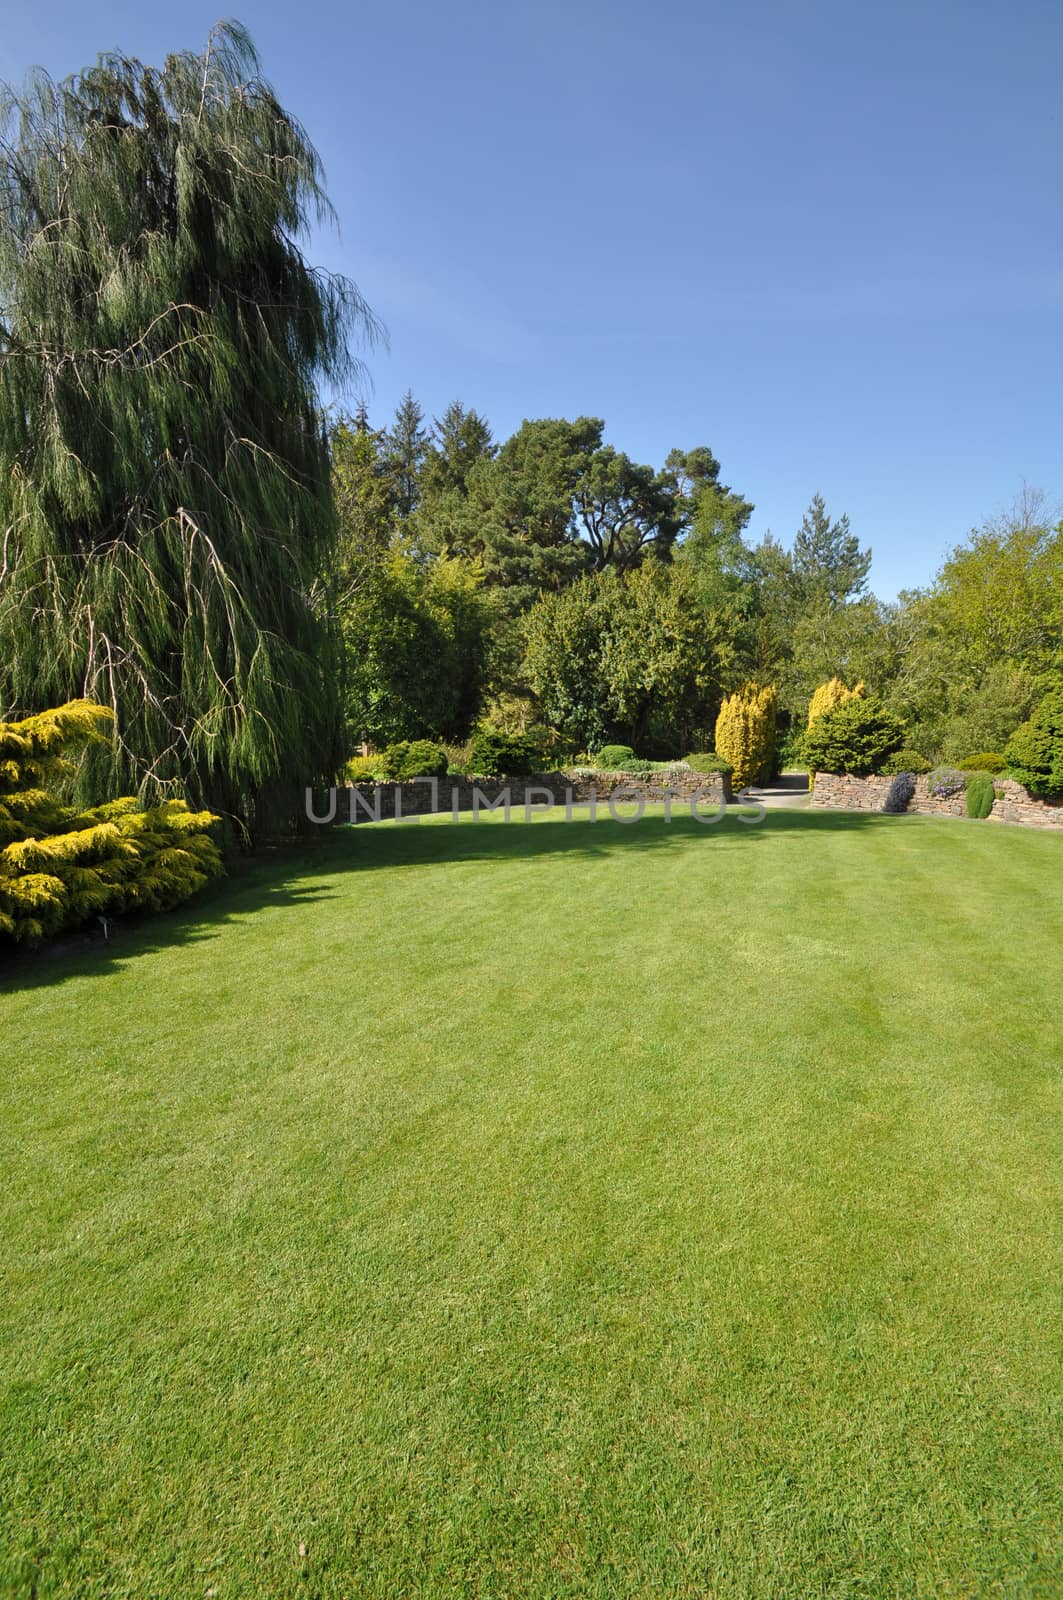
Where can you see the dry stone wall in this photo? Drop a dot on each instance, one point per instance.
(1012, 804)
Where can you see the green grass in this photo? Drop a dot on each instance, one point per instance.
(541, 1211)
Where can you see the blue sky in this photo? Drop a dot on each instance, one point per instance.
(825, 238)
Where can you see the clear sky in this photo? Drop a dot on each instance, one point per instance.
(825, 238)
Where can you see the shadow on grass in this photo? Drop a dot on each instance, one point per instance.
(299, 874)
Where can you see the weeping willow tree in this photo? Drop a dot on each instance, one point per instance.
(165, 503)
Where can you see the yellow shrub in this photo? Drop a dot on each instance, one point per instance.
(831, 694)
(745, 733)
(59, 866)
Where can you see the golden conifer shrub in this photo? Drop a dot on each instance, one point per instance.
(831, 694)
(60, 866)
(745, 733)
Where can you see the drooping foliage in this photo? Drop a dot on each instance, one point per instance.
(745, 733)
(164, 475)
(60, 865)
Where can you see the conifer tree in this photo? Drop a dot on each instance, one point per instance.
(59, 865)
(828, 563)
(745, 733)
(407, 446)
(831, 694)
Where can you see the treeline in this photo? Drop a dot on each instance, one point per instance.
(550, 582)
(255, 592)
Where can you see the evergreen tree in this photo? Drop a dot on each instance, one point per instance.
(745, 733)
(460, 438)
(828, 562)
(60, 866)
(164, 472)
(407, 448)
(450, 519)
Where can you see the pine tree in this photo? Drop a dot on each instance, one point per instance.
(407, 447)
(828, 563)
(451, 519)
(164, 472)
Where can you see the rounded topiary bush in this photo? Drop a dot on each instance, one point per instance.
(495, 755)
(985, 761)
(412, 758)
(904, 761)
(856, 735)
(610, 756)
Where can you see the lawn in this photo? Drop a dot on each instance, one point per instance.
(549, 1210)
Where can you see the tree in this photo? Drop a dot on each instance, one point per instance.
(450, 521)
(828, 563)
(624, 657)
(831, 694)
(414, 650)
(745, 733)
(713, 516)
(624, 511)
(524, 507)
(969, 651)
(557, 502)
(362, 490)
(999, 597)
(164, 472)
(459, 439)
(406, 451)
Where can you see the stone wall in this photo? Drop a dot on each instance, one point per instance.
(453, 796)
(1013, 802)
